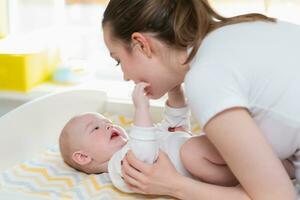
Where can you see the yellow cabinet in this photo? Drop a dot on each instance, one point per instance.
(21, 72)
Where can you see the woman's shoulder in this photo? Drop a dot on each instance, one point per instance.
(239, 43)
(248, 31)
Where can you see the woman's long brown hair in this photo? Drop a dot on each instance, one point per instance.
(179, 23)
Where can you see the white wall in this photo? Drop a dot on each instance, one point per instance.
(3, 18)
(288, 10)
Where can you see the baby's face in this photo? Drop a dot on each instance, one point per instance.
(97, 136)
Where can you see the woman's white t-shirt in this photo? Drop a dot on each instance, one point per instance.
(255, 65)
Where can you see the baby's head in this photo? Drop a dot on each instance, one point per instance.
(88, 141)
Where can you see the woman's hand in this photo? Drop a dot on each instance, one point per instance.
(157, 179)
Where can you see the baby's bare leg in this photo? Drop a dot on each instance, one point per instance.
(203, 161)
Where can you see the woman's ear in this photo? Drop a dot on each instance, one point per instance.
(140, 41)
(81, 158)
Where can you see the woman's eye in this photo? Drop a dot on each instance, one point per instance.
(108, 127)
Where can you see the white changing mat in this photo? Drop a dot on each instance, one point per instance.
(33, 128)
(47, 177)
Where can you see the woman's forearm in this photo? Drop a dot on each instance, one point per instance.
(188, 189)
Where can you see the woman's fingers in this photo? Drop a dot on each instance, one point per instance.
(135, 189)
(131, 183)
(149, 179)
(134, 177)
(129, 180)
(137, 164)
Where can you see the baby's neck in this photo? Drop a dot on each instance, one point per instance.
(105, 170)
(103, 167)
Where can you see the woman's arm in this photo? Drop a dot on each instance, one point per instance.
(249, 156)
(244, 149)
(190, 189)
(161, 178)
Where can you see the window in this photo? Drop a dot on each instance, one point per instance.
(86, 1)
(287, 10)
(76, 25)
(3, 18)
(235, 7)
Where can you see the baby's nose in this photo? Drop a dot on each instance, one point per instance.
(108, 127)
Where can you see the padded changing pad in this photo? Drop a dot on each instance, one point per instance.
(48, 177)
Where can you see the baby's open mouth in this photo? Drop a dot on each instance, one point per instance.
(114, 134)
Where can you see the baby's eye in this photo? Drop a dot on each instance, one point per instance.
(107, 128)
(96, 128)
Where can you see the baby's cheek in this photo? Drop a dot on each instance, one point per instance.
(98, 140)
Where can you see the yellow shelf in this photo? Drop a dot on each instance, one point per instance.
(21, 72)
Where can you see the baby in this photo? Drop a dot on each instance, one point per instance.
(93, 144)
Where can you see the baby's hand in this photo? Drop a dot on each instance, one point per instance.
(140, 100)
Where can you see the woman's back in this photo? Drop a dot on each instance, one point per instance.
(254, 65)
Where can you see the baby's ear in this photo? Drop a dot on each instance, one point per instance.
(81, 158)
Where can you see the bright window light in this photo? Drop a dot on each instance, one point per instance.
(76, 26)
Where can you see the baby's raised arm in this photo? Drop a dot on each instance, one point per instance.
(142, 138)
(142, 116)
(144, 141)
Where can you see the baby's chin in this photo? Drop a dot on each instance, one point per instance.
(121, 143)
(125, 142)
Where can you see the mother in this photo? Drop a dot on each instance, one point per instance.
(241, 76)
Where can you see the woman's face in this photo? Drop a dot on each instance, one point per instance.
(160, 71)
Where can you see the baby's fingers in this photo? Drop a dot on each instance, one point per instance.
(140, 88)
(142, 85)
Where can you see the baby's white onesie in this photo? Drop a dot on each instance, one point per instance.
(169, 142)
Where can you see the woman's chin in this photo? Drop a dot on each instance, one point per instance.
(154, 96)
